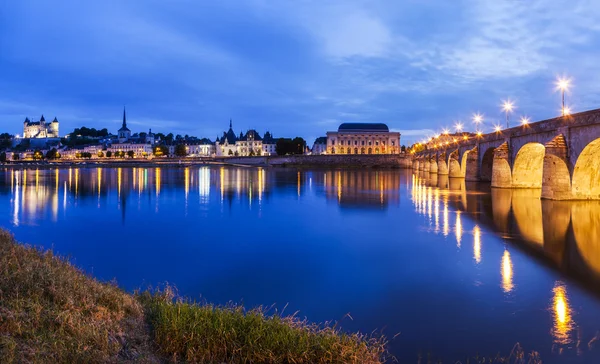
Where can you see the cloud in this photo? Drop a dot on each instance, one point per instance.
(295, 68)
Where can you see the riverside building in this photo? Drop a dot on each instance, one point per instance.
(363, 138)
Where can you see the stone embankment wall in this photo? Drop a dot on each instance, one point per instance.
(347, 160)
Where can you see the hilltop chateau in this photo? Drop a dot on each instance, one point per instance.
(40, 129)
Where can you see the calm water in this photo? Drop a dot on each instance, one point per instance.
(454, 269)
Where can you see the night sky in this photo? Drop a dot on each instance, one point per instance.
(293, 67)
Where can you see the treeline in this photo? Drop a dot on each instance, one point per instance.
(286, 146)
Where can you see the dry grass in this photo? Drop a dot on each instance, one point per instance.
(51, 312)
(191, 332)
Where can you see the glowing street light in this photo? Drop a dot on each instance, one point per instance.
(445, 131)
(524, 120)
(477, 119)
(566, 111)
(497, 128)
(507, 107)
(458, 126)
(563, 84)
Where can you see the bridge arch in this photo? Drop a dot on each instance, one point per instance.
(433, 167)
(487, 164)
(442, 165)
(454, 169)
(586, 175)
(528, 167)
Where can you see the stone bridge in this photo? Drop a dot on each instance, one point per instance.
(561, 156)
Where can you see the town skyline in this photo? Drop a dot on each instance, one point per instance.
(287, 68)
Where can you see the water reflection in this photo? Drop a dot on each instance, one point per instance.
(34, 193)
(477, 244)
(507, 272)
(362, 189)
(563, 324)
(458, 229)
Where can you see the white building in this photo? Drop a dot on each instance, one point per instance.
(40, 129)
(202, 149)
(249, 144)
(363, 138)
(319, 146)
(140, 150)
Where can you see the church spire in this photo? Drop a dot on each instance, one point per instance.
(124, 118)
(230, 124)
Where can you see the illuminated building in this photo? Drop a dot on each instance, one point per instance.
(363, 138)
(40, 129)
(249, 144)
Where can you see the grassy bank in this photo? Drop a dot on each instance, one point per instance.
(51, 312)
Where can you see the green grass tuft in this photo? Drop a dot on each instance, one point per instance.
(194, 332)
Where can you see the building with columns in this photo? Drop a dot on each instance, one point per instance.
(363, 138)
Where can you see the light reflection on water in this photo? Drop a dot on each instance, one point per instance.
(364, 210)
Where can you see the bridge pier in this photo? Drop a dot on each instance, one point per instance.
(556, 179)
(470, 167)
(441, 164)
(433, 167)
(501, 173)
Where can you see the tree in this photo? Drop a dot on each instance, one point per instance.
(38, 155)
(100, 154)
(298, 145)
(251, 154)
(161, 150)
(5, 140)
(181, 150)
(15, 156)
(3, 157)
(130, 153)
(403, 148)
(169, 138)
(290, 146)
(230, 152)
(108, 154)
(52, 154)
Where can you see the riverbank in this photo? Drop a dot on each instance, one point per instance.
(52, 312)
(296, 161)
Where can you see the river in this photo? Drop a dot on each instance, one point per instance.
(445, 269)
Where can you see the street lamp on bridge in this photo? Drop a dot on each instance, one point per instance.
(563, 84)
(524, 120)
(477, 119)
(507, 107)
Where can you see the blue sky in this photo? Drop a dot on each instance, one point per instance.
(293, 67)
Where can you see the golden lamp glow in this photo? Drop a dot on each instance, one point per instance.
(446, 132)
(507, 106)
(562, 315)
(465, 137)
(479, 133)
(507, 272)
(567, 110)
(477, 244)
(497, 128)
(458, 230)
(524, 120)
